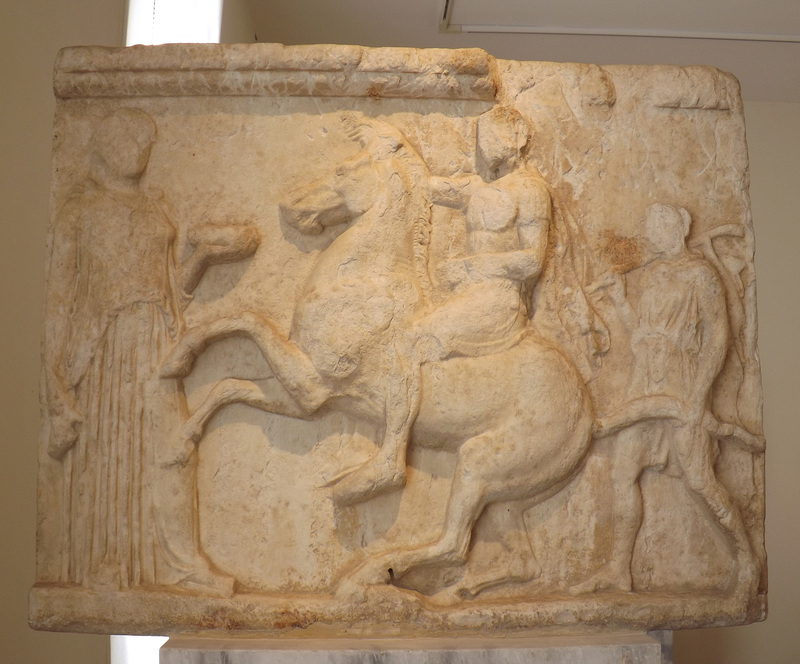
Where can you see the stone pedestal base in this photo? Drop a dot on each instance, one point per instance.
(633, 647)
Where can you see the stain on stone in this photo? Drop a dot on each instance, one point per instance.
(624, 253)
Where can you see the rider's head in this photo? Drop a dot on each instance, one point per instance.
(666, 228)
(501, 139)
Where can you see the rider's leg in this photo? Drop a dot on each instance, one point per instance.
(431, 338)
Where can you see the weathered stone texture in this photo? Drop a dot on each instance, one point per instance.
(391, 341)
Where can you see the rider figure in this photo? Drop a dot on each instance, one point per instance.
(507, 213)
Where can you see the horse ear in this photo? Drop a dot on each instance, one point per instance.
(384, 145)
(381, 140)
(356, 128)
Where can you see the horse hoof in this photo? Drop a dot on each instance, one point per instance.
(450, 596)
(353, 587)
(208, 582)
(181, 458)
(600, 581)
(191, 433)
(339, 476)
(177, 365)
(363, 484)
(350, 592)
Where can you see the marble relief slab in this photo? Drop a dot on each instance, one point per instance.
(364, 341)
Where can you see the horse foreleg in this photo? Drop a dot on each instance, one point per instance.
(233, 390)
(291, 366)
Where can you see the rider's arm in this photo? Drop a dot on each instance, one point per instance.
(452, 192)
(614, 287)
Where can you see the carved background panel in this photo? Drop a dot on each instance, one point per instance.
(394, 341)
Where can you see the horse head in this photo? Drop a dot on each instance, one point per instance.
(351, 189)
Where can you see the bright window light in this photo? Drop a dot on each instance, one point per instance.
(173, 21)
(136, 649)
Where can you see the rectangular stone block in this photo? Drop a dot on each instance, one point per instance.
(397, 342)
(598, 649)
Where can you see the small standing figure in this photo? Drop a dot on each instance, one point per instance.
(117, 293)
(679, 341)
(507, 210)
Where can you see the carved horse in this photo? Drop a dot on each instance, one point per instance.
(519, 421)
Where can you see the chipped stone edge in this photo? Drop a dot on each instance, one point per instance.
(274, 70)
(59, 608)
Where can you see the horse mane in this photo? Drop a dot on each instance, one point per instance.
(421, 236)
(417, 171)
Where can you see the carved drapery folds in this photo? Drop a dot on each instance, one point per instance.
(338, 336)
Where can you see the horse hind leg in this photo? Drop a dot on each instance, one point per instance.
(519, 563)
(469, 495)
(516, 564)
(465, 504)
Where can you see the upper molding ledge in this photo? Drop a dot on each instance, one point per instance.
(272, 70)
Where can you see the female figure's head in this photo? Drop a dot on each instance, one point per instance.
(123, 143)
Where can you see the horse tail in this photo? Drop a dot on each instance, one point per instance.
(653, 407)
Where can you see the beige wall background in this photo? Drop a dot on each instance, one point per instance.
(32, 31)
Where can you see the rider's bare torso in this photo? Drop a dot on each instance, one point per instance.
(506, 223)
